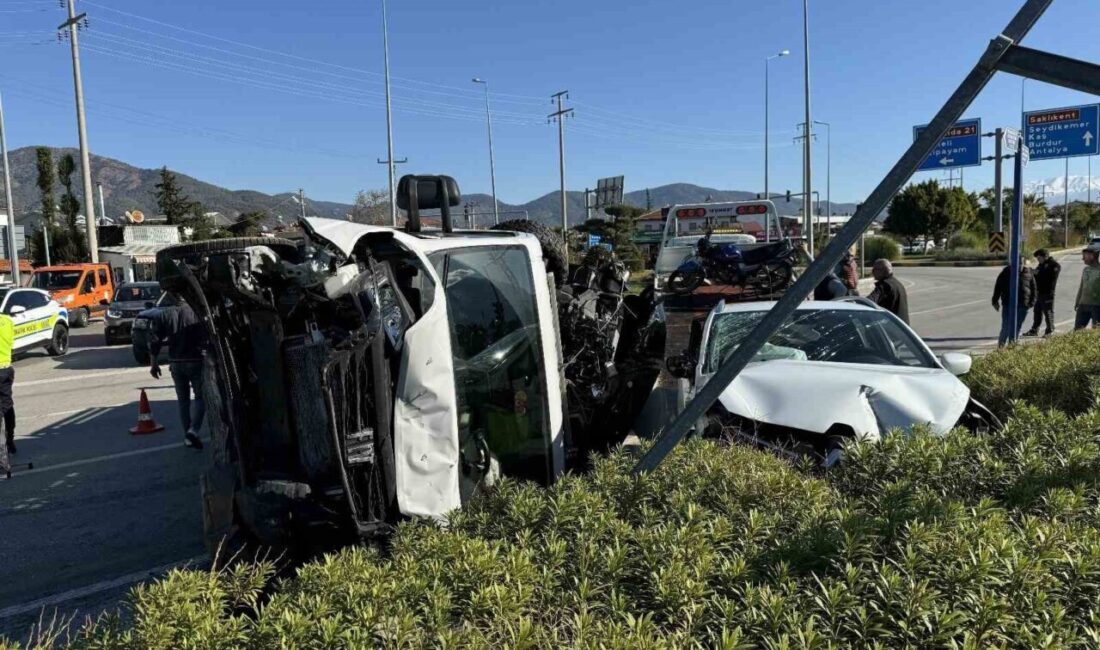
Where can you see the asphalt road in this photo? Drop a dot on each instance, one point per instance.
(103, 509)
(100, 503)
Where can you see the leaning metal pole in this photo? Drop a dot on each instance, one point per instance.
(951, 111)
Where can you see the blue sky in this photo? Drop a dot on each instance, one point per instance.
(275, 95)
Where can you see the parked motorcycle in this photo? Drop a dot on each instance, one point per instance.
(767, 269)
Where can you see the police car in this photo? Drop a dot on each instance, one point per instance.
(40, 322)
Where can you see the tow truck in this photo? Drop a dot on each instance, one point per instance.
(367, 374)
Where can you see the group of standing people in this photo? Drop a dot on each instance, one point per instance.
(1037, 290)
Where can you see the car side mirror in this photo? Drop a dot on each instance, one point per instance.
(956, 363)
(681, 366)
(105, 302)
(17, 309)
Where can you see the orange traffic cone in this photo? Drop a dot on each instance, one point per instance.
(145, 423)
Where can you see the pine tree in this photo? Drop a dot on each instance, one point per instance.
(45, 183)
(69, 244)
(172, 202)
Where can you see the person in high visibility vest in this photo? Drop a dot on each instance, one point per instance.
(7, 378)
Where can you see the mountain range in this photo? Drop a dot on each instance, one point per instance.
(126, 188)
(1054, 188)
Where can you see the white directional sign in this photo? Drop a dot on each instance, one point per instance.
(1025, 152)
(1011, 140)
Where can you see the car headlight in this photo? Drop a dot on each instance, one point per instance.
(69, 298)
(114, 313)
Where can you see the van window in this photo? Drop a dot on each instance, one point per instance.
(88, 285)
(102, 277)
(56, 280)
(498, 356)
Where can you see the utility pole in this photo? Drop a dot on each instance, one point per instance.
(302, 201)
(828, 176)
(389, 117)
(807, 168)
(559, 117)
(74, 23)
(1065, 210)
(391, 164)
(14, 256)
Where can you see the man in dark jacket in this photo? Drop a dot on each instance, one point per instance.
(1025, 301)
(1046, 282)
(186, 338)
(889, 292)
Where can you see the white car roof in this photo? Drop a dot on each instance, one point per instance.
(809, 305)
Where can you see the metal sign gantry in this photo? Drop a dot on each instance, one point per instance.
(1003, 54)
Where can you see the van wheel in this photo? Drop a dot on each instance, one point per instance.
(59, 341)
(80, 317)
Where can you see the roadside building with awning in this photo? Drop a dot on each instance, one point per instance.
(131, 250)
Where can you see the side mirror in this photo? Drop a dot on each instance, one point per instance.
(105, 302)
(17, 309)
(956, 363)
(680, 366)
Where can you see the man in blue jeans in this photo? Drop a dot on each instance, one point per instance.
(186, 338)
(1024, 302)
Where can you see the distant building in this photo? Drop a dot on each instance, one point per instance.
(132, 250)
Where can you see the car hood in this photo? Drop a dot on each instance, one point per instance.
(871, 399)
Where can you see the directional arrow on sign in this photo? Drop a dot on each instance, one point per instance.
(946, 161)
(1087, 138)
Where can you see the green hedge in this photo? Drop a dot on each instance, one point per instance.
(966, 239)
(966, 254)
(878, 247)
(1062, 372)
(917, 541)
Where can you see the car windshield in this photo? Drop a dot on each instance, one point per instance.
(834, 335)
(137, 293)
(55, 280)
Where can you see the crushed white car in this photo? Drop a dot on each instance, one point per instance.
(837, 370)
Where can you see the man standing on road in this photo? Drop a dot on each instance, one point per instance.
(1046, 281)
(848, 270)
(889, 292)
(186, 338)
(1025, 300)
(1087, 304)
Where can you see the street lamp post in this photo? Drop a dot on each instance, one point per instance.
(389, 117)
(807, 167)
(767, 196)
(492, 165)
(828, 176)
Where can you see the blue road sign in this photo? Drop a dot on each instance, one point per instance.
(961, 147)
(1063, 132)
(593, 240)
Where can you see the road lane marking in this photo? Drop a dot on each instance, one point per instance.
(90, 375)
(100, 459)
(945, 307)
(104, 585)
